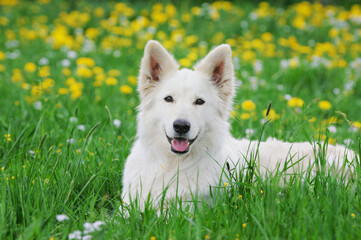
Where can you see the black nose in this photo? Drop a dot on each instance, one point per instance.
(181, 126)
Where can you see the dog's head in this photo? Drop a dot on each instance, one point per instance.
(184, 107)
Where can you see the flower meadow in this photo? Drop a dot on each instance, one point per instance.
(68, 76)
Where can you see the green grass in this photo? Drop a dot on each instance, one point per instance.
(49, 166)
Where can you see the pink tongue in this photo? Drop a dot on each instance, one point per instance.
(180, 145)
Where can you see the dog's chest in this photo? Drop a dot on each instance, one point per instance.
(179, 178)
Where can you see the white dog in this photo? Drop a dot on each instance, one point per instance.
(183, 140)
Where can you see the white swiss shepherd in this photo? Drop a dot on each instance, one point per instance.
(183, 140)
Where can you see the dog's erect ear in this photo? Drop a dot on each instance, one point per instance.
(156, 63)
(219, 67)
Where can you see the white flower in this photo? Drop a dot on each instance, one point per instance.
(88, 228)
(31, 152)
(249, 133)
(75, 235)
(65, 63)
(97, 225)
(43, 61)
(86, 237)
(348, 142)
(71, 141)
(117, 53)
(73, 119)
(332, 129)
(284, 63)
(287, 97)
(336, 91)
(257, 66)
(253, 16)
(81, 128)
(151, 30)
(37, 105)
(116, 122)
(72, 54)
(12, 44)
(62, 217)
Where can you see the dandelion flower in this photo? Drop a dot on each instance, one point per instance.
(244, 225)
(30, 67)
(324, 105)
(248, 105)
(125, 89)
(295, 102)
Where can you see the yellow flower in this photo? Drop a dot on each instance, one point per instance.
(66, 72)
(84, 72)
(159, 17)
(324, 105)
(267, 37)
(293, 62)
(240, 196)
(244, 225)
(84, 61)
(299, 22)
(245, 116)
(92, 33)
(98, 70)
(353, 215)
(30, 67)
(312, 119)
(99, 12)
(132, 80)
(17, 76)
(225, 184)
(125, 89)
(111, 81)
(248, 105)
(357, 124)
(295, 102)
(153, 238)
(185, 62)
(333, 33)
(248, 56)
(272, 115)
(206, 236)
(63, 91)
(2, 55)
(44, 71)
(36, 90)
(196, 11)
(114, 73)
(47, 83)
(332, 141)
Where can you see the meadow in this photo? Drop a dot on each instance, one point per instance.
(68, 75)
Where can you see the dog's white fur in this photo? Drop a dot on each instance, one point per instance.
(152, 167)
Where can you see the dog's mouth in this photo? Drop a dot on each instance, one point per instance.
(180, 145)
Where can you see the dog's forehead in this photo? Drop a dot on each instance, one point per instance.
(187, 80)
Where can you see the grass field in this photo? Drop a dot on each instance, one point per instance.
(68, 74)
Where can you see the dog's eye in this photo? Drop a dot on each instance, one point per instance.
(199, 102)
(168, 99)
